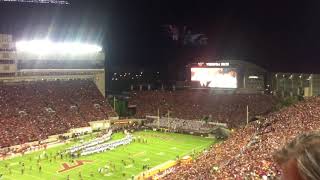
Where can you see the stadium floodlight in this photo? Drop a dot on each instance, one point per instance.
(291, 76)
(44, 47)
(253, 77)
(309, 78)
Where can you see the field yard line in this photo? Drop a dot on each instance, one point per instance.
(166, 151)
(186, 143)
(137, 167)
(156, 148)
(200, 147)
(137, 154)
(70, 171)
(49, 173)
(26, 174)
(54, 174)
(140, 151)
(87, 176)
(117, 164)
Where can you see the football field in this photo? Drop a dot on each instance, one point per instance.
(123, 162)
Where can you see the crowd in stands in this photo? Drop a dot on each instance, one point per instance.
(197, 104)
(180, 125)
(247, 154)
(35, 110)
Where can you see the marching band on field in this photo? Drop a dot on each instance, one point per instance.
(98, 145)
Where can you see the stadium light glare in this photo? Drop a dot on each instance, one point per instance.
(42, 47)
(253, 77)
(309, 78)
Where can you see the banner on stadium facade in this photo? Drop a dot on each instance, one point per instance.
(218, 124)
(81, 130)
(8, 68)
(151, 173)
(103, 124)
(5, 38)
(162, 170)
(7, 55)
(7, 45)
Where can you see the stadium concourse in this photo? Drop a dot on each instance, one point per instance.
(198, 104)
(247, 154)
(32, 111)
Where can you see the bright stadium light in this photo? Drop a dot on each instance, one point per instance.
(43, 47)
(253, 77)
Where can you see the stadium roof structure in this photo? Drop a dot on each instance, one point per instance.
(243, 63)
(60, 70)
(59, 2)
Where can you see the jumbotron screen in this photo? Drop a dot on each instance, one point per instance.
(215, 77)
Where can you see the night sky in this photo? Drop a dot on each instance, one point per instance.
(280, 36)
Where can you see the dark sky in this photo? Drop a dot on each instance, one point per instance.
(281, 36)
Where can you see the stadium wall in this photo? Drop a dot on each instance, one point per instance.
(292, 84)
(7, 55)
(7, 46)
(254, 79)
(97, 78)
(8, 65)
(100, 82)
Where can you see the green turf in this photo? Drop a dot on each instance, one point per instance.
(160, 147)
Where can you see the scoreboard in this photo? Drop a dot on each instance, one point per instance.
(214, 75)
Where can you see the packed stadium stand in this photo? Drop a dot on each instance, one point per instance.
(180, 125)
(198, 104)
(33, 111)
(248, 152)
